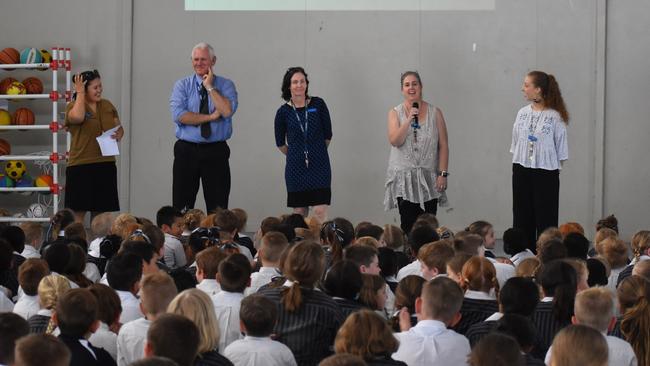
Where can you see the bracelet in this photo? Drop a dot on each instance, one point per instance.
(444, 173)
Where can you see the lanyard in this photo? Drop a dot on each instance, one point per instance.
(304, 129)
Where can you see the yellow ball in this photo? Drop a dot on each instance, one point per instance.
(5, 117)
(16, 88)
(15, 169)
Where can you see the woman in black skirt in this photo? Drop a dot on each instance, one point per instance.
(303, 131)
(91, 178)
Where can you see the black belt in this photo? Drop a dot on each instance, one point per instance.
(202, 143)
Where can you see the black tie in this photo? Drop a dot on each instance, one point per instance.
(204, 109)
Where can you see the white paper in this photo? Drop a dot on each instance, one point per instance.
(107, 144)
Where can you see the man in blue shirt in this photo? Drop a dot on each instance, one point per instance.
(202, 106)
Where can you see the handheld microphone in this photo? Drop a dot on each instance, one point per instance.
(417, 106)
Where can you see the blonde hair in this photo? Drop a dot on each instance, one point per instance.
(121, 222)
(156, 292)
(601, 235)
(393, 236)
(640, 243)
(50, 290)
(528, 267)
(101, 224)
(615, 252)
(547, 235)
(368, 240)
(33, 232)
(595, 307)
(197, 306)
(579, 345)
(192, 219)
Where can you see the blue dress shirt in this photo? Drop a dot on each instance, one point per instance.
(186, 98)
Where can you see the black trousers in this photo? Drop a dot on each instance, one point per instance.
(409, 212)
(535, 200)
(207, 163)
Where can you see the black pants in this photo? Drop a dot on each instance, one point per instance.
(409, 212)
(535, 200)
(207, 162)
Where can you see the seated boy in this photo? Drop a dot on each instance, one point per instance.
(207, 266)
(258, 316)
(157, 290)
(33, 349)
(30, 274)
(76, 317)
(170, 221)
(430, 342)
(272, 246)
(234, 276)
(174, 337)
(12, 327)
(33, 239)
(433, 259)
(123, 275)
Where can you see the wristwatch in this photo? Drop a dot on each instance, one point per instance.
(444, 173)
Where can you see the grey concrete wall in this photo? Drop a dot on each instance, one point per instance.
(354, 60)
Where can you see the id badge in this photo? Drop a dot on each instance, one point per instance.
(531, 149)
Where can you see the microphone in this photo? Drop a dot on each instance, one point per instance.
(415, 118)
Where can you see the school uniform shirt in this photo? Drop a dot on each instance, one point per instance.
(226, 306)
(92, 272)
(130, 341)
(30, 252)
(6, 305)
(479, 330)
(261, 278)
(83, 353)
(210, 287)
(253, 351)
(130, 307)
(410, 269)
(104, 338)
(93, 247)
(620, 352)
(519, 257)
(477, 306)
(27, 306)
(430, 343)
(174, 254)
(547, 326)
(504, 271)
(347, 306)
(309, 331)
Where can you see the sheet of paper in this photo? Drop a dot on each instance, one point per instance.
(107, 144)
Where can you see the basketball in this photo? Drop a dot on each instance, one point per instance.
(24, 116)
(5, 147)
(15, 169)
(9, 56)
(5, 118)
(44, 181)
(16, 88)
(46, 58)
(33, 85)
(4, 84)
(30, 56)
(36, 210)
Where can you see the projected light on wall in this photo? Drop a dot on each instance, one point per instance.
(338, 5)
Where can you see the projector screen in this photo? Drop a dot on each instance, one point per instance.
(337, 5)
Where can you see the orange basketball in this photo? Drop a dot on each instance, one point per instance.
(5, 147)
(9, 56)
(33, 85)
(4, 84)
(23, 116)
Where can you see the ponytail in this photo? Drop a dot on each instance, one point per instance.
(292, 297)
(551, 94)
(633, 295)
(559, 280)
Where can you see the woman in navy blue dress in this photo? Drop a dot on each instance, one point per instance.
(303, 131)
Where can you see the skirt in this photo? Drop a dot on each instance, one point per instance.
(92, 187)
(313, 197)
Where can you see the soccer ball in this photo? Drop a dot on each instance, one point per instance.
(36, 210)
(15, 169)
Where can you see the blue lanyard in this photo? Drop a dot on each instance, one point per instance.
(304, 129)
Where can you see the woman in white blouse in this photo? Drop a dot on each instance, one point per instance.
(539, 147)
(416, 178)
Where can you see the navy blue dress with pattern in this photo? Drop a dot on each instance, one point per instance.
(307, 184)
